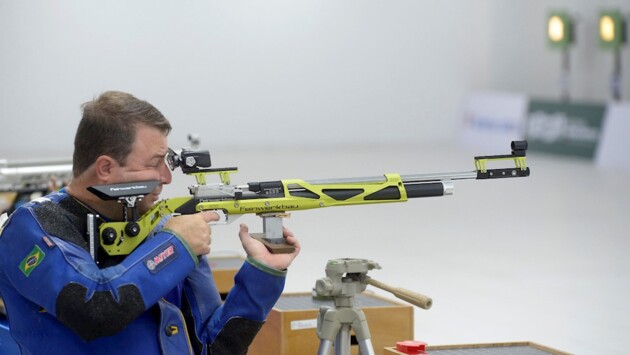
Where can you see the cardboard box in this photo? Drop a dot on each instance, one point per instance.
(223, 270)
(291, 327)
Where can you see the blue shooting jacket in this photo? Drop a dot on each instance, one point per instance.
(159, 299)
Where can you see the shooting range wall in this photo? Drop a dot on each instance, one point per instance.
(282, 73)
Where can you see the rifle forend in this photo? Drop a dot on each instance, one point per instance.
(33, 175)
(21, 181)
(272, 199)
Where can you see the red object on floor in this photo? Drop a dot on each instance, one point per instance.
(411, 347)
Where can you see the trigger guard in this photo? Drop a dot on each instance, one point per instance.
(223, 217)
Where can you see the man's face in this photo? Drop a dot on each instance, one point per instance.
(146, 162)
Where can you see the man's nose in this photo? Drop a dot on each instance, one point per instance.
(165, 174)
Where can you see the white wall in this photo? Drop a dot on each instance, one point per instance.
(242, 72)
(280, 72)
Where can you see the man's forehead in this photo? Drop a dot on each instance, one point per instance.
(150, 141)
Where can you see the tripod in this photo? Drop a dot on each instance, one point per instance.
(335, 323)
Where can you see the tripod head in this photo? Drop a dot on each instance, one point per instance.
(347, 277)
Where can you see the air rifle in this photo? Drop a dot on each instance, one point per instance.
(271, 200)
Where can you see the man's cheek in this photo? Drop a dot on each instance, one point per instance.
(146, 204)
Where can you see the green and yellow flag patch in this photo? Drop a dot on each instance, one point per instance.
(32, 260)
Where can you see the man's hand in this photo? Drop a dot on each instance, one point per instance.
(194, 229)
(258, 250)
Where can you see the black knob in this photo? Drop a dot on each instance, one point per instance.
(132, 229)
(108, 236)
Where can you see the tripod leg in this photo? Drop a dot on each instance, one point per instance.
(365, 347)
(328, 326)
(362, 333)
(342, 342)
(324, 347)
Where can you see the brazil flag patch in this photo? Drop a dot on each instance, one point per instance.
(32, 260)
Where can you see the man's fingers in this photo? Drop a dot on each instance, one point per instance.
(286, 232)
(210, 216)
(243, 231)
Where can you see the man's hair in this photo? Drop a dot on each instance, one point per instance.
(108, 127)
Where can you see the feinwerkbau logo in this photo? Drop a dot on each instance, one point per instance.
(125, 188)
(32, 260)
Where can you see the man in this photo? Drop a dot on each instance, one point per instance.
(59, 300)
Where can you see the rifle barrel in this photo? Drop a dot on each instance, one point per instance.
(411, 178)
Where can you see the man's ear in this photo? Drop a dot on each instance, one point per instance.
(105, 167)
